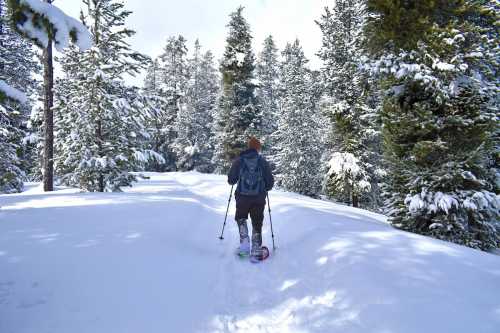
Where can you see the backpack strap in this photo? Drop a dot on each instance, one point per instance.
(241, 166)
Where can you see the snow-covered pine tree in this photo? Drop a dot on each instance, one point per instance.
(158, 107)
(98, 128)
(491, 70)
(298, 139)
(152, 79)
(439, 61)
(46, 24)
(174, 78)
(210, 82)
(17, 69)
(352, 175)
(194, 125)
(136, 114)
(238, 114)
(267, 71)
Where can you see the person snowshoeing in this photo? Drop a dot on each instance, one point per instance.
(253, 174)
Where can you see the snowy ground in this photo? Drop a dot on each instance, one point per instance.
(149, 260)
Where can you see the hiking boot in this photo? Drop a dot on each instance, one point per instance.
(256, 245)
(244, 239)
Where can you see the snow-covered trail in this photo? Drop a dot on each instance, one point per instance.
(149, 260)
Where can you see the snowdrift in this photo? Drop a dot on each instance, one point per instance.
(149, 260)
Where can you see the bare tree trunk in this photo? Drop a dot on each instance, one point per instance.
(48, 150)
(355, 200)
(349, 195)
(101, 154)
(1, 32)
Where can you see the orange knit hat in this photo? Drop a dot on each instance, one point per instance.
(254, 143)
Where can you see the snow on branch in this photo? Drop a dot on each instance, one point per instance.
(7, 91)
(40, 20)
(433, 202)
(345, 165)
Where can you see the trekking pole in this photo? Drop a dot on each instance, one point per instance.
(270, 220)
(227, 210)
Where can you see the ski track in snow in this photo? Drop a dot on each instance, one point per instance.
(149, 260)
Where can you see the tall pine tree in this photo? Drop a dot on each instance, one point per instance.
(172, 89)
(238, 114)
(299, 138)
(46, 25)
(355, 129)
(268, 77)
(159, 124)
(194, 123)
(97, 125)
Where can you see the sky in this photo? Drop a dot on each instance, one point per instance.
(156, 20)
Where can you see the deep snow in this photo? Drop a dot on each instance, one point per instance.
(149, 260)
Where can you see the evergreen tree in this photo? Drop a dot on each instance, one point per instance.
(439, 63)
(194, 124)
(268, 77)
(352, 175)
(299, 136)
(98, 124)
(157, 107)
(46, 24)
(172, 89)
(17, 68)
(238, 114)
(152, 81)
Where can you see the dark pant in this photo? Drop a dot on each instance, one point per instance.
(251, 205)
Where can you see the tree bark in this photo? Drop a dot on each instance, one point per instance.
(101, 154)
(48, 150)
(355, 200)
(1, 33)
(99, 133)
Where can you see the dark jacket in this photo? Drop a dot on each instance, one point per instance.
(234, 172)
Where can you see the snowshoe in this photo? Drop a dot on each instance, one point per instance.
(263, 254)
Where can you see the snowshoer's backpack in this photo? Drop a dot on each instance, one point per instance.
(251, 176)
